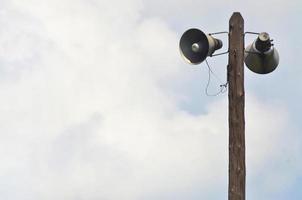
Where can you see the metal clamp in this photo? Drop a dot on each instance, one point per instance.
(216, 33)
(222, 32)
(249, 32)
(218, 54)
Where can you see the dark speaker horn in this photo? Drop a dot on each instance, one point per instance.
(195, 46)
(261, 57)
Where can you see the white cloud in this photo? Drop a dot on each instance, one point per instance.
(85, 113)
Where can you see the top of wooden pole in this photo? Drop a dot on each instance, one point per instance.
(236, 18)
(237, 14)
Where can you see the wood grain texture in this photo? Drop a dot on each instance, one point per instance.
(235, 74)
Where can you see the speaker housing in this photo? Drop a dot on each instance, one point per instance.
(261, 56)
(195, 46)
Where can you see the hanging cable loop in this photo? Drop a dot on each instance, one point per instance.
(223, 87)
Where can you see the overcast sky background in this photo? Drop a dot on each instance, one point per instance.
(97, 104)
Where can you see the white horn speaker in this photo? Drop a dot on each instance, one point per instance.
(261, 57)
(195, 46)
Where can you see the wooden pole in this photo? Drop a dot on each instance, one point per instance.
(235, 74)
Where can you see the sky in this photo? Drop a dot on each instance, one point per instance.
(96, 102)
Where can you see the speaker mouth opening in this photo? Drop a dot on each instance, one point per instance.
(194, 46)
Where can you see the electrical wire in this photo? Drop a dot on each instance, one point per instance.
(223, 87)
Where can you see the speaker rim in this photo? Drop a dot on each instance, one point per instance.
(191, 36)
(262, 58)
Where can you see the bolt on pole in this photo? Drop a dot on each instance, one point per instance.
(235, 75)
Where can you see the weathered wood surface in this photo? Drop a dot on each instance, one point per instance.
(235, 74)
